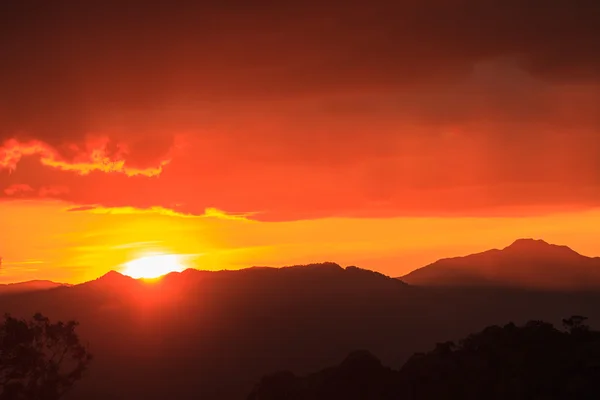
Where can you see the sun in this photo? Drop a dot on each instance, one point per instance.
(153, 266)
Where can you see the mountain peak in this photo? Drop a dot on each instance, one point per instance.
(531, 263)
(539, 247)
(112, 273)
(528, 244)
(114, 277)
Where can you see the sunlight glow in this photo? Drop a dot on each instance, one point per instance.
(153, 266)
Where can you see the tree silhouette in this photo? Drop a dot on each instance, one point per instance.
(576, 324)
(39, 359)
(533, 361)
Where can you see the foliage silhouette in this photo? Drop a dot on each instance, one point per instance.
(39, 359)
(534, 361)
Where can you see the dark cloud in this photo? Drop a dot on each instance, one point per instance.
(378, 107)
(96, 57)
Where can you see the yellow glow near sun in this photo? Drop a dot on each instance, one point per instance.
(153, 266)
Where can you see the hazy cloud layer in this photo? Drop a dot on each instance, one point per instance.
(303, 110)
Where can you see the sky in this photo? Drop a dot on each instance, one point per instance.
(383, 134)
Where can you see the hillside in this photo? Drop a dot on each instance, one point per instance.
(526, 263)
(213, 335)
(533, 361)
(28, 286)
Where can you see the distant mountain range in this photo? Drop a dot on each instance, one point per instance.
(213, 335)
(527, 263)
(29, 286)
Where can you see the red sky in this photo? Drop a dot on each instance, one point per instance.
(386, 134)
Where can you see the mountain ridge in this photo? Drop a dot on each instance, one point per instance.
(522, 250)
(29, 286)
(216, 333)
(528, 263)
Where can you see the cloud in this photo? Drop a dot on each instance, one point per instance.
(98, 209)
(305, 110)
(216, 213)
(18, 189)
(208, 213)
(81, 208)
(96, 157)
(53, 191)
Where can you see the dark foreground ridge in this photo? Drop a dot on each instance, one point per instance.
(533, 361)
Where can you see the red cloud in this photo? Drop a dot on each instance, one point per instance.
(95, 157)
(407, 108)
(53, 191)
(82, 208)
(18, 189)
(209, 212)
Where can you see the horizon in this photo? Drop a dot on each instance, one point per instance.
(73, 248)
(121, 270)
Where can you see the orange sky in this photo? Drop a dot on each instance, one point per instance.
(384, 136)
(67, 246)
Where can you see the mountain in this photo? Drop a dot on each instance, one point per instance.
(29, 286)
(527, 263)
(213, 335)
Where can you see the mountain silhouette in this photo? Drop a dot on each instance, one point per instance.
(214, 334)
(526, 263)
(217, 332)
(113, 279)
(29, 286)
